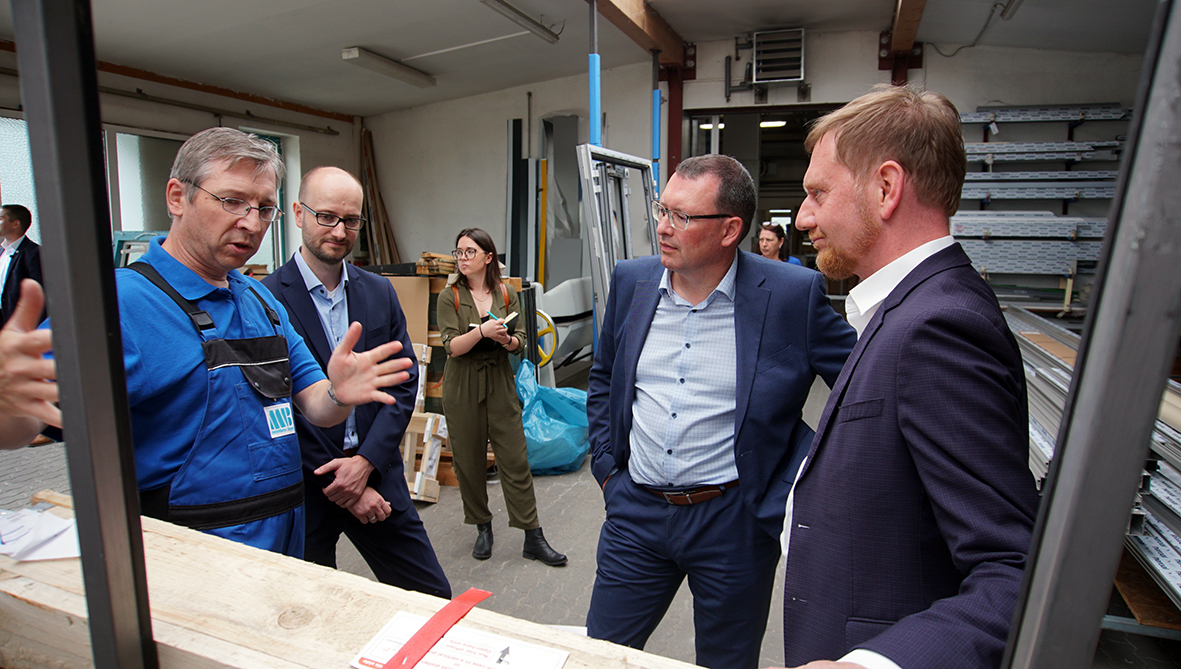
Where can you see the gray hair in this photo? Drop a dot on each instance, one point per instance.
(197, 155)
(736, 195)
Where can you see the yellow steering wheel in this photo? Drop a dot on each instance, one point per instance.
(547, 331)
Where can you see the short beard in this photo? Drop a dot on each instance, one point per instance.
(318, 252)
(840, 262)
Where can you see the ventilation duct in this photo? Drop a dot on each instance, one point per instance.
(779, 56)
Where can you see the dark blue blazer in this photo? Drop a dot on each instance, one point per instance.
(786, 334)
(380, 427)
(25, 264)
(912, 516)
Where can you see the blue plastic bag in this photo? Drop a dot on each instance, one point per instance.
(555, 424)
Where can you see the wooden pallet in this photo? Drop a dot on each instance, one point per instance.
(426, 434)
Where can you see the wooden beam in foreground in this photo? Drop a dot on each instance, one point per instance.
(646, 27)
(222, 605)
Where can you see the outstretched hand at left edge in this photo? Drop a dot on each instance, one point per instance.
(358, 378)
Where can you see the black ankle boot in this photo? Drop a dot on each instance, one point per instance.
(483, 548)
(537, 548)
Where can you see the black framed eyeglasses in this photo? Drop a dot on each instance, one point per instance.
(239, 207)
(330, 220)
(465, 254)
(679, 219)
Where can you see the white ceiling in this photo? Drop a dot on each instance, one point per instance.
(290, 49)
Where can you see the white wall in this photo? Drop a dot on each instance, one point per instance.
(842, 66)
(313, 148)
(443, 167)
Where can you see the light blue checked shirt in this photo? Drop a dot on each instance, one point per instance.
(334, 317)
(683, 415)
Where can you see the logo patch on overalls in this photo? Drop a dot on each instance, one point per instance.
(279, 420)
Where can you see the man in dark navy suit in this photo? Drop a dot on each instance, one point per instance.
(909, 523)
(704, 362)
(20, 257)
(355, 482)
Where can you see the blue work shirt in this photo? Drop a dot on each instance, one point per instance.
(167, 382)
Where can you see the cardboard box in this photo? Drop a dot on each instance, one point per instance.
(414, 293)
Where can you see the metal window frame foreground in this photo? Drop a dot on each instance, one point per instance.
(1129, 340)
(602, 187)
(59, 90)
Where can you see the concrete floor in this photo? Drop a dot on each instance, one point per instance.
(571, 511)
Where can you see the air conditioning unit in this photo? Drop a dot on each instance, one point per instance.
(779, 56)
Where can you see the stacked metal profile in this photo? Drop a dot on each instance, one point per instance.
(1029, 242)
(1154, 528)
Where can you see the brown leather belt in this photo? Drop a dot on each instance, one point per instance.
(692, 495)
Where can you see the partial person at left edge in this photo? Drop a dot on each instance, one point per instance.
(214, 367)
(20, 257)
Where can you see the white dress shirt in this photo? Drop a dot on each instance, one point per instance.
(860, 306)
(7, 249)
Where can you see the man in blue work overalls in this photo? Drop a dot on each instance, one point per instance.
(213, 364)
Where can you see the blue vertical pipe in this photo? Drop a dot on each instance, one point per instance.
(596, 114)
(656, 123)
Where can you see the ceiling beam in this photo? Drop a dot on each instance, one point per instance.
(145, 75)
(646, 27)
(907, 16)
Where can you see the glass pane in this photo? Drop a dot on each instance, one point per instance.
(16, 170)
(144, 164)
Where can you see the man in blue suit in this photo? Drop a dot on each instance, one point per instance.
(354, 480)
(705, 359)
(910, 519)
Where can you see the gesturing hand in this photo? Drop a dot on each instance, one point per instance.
(27, 379)
(357, 378)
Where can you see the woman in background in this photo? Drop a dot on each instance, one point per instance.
(480, 395)
(771, 244)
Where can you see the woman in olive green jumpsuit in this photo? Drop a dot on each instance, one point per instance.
(480, 396)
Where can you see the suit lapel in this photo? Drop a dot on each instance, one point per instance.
(303, 312)
(639, 320)
(357, 298)
(948, 258)
(750, 312)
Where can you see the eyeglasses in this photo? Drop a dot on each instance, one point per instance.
(465, 254)
(678, 219)
(330, 220)
(237, 207)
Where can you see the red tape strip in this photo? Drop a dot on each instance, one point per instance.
(429, 634)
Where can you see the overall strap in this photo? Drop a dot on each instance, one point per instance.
(201, 319)
(270, 312)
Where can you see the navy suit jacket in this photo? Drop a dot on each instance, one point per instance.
(25, 264)
(913, 513)
(786, 333)
(380, 427)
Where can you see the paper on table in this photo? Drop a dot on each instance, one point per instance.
(460, 647)
(34, 535)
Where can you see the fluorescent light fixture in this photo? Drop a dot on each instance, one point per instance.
(520, 18)
(772, 124)
(390, 68)
(710, 126)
